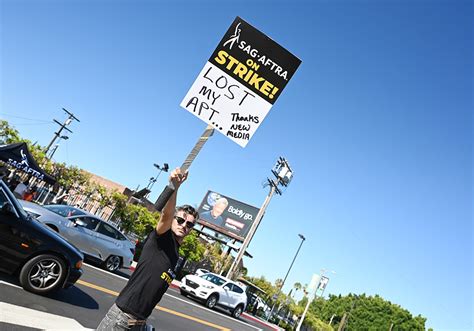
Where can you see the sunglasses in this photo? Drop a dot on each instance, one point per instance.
(181, 221)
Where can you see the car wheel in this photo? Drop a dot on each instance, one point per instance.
(237, 311)
(112, 263)
(43, 274)
(183, 293)
(211, 301)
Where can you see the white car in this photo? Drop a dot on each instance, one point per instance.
(216, 290)
(100, 241)
(259, 304)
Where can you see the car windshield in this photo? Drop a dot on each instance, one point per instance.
(14, 201)
(65, 211)
(214, 279)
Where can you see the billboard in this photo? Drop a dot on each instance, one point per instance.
(240, 82)
(226, 215)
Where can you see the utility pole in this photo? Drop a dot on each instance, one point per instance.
(346, 316)
(343, 323)
(283, 174)
(57, 135)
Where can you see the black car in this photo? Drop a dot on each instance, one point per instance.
(42, 259)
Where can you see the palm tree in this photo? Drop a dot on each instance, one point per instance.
(305, 289)
(278, 283)
(297, 286)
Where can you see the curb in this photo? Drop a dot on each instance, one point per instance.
(255, 319)
(175, 284)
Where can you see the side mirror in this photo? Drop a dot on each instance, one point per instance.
(7, 209)
(80, 223)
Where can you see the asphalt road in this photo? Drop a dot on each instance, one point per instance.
(88, 301)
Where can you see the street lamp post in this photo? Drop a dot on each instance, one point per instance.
(287, 273)
(153, 180)
(56, 147)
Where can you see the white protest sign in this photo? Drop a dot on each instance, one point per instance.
(240, 82)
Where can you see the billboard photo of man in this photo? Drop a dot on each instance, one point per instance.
(225, 215)
(215, 214)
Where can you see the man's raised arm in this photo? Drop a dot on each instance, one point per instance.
(167, 214)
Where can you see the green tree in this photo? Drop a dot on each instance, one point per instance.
(8, 134)
(297, 286)
(68, 178)
(192, 248)
(104, 197)
(366, 313)
(217, 257)
(136, 219)
(119, 201)
(278, 283)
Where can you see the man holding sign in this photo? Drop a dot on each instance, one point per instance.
(158, 265)
(233, 93)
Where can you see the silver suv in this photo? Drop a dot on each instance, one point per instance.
(98, 240)
(215, 290)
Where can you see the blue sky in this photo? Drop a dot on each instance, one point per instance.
(376, 122)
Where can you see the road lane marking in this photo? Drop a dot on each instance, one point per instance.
(102, 289)
(170, 295)
(98, 288)
(211, 311)
(192, 318)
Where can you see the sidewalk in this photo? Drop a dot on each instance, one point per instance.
(14, 317)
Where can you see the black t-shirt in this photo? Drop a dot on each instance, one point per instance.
(150, 280)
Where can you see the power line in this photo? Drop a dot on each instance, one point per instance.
(26, 118)
(30, 124)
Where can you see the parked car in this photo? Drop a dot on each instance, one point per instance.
(215, 290)
(258, 306)
(42, 259)
(100, 241)
(65, 210)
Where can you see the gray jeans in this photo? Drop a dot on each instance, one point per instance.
(117, 320)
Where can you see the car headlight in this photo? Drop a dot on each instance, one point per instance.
(208, 286)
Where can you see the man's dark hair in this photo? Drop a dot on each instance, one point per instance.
(188, 210)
